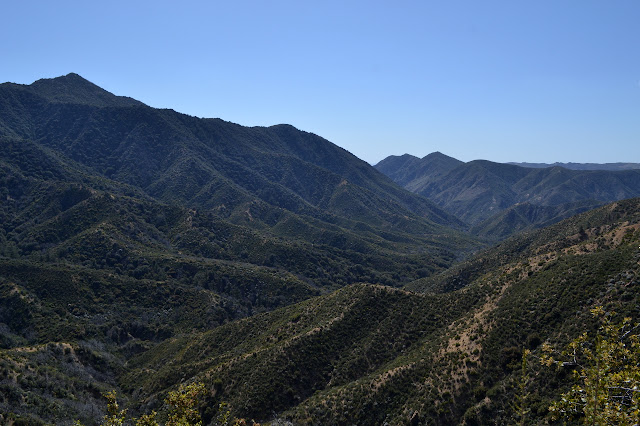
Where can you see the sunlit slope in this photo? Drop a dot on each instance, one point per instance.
(371, 354)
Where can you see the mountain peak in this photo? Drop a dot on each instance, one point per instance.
(75, 89)
(441, 158)
(437, 154)
(392, 163)
(72, 76)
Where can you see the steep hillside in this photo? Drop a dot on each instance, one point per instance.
(205, 163)
(526, 217)
(270, 192)
(483, 193)
(370, 354)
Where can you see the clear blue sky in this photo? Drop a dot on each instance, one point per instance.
(538, 81)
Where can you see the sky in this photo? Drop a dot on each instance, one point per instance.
(535, 81)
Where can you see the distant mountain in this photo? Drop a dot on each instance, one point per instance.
(409, 170)
(480, 192)
(584, 166)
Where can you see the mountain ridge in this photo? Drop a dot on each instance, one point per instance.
(582, 166)
(276, 197)
(480, 191)
(192, 136)
(73, 88)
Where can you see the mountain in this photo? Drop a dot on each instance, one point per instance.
(122, 226)
(205, 163)
(444, 350)
(584, 166)
(274, 183)
(413, 171)
(481, 192)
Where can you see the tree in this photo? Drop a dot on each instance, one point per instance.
(183, 411)
(607, 372)
(114, 416)
(184, 403)
(519, 404)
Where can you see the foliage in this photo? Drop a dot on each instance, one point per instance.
(520, 404)
(606, 368)
(114, 416)
(184, 405)
(147, 419)
(183, 409)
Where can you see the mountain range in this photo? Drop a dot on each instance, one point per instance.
(283, 189)
(583, 166)
(124, 225)
(497, 200)
(141, 249)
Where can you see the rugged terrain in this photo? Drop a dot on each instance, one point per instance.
(143, 248)
(445, 350)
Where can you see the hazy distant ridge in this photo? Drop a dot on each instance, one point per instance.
(499, 199)
(583, 166)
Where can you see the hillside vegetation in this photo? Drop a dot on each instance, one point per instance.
(447, 352)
